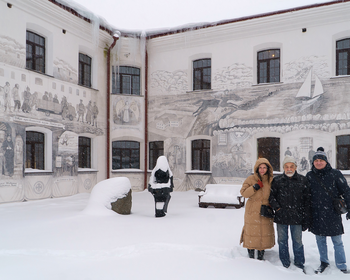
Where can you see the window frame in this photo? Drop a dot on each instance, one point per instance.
(155, 152)
(85, 152)
(41, 68)
(268, 62)
(37, 155)
(262, 152)
(47, 149)
(342, 153)
(203, 150)
(119, 76)
(85, 70)
(337, 58)
(200, 83)
(128, 151)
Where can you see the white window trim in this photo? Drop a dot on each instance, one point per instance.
(94, 149)
(94, 65)
(47, 151)
(189, 153)
(142, 152)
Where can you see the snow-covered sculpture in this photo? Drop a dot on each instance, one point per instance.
(161, 185)
(106, 192)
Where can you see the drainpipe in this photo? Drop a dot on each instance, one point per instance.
(146, 118)
(115, 38)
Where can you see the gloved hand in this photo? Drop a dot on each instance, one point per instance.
(258, 185)
(348, 215)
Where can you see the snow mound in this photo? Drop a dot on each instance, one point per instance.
(104, 193)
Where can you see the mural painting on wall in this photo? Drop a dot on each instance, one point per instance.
(164, 82)
(66, 161)
(25, 106)
(11, 152)
(175, 153)
(126, 111)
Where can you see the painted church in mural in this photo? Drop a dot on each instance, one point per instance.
(80, 104)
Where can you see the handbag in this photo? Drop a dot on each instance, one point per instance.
(267, 211)
(339, 204)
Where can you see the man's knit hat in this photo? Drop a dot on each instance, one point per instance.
(289, 159)
(320, 154)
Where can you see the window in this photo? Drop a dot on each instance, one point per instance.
(202, 74)
(84, 152)
(343, 152)
(84, 70)
(269, 148)
(35, 52)
(343, 57)
(201, 154)
(126, 80)
(125, 154)
(156, 149)
(269, 66)
(35, 150)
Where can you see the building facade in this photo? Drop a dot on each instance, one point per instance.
(79, 105)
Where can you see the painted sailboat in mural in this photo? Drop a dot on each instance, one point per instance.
(305, 92)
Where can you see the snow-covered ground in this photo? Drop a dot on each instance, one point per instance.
(55, 239)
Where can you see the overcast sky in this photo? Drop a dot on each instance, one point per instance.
(158, 14)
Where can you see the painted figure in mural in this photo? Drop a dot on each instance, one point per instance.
(290, 199)
(161, 185)
(311, 155)
(258, 232)
(88, 113)
(81, 111)
(304, 164)
(16, 98)
(55, 99)
(34, 101)
(19, 150)
(9, 155)
(26, 100)
(287, 152)
(7, 97)
(94, 114)
(46, 96)
(296, 154)
(326, 184)
(50, 96)
(64, 107)
(126, 113)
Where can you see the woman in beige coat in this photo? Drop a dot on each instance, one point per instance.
(258, 232)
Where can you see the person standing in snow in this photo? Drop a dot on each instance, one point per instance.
(326, 182)
(258, 232)
(161, 185)
(290, 199)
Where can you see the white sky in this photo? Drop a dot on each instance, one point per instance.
(158, 14)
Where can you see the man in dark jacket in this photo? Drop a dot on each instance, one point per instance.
(290, 199)
(327, 183)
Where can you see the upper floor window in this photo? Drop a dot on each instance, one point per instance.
(84, 70)
(202, 74)
(156, 149)
(343, 57)
(84, 152)
(126, 80)
(125, 154)
(269, 66)
(269, 148)
(343, 152)
(35, 150)
(201, 154)
(35, 52)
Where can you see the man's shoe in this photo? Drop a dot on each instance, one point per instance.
(322, 267)
(345, 271)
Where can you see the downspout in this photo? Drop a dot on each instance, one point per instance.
(146, 117)
(115, 38)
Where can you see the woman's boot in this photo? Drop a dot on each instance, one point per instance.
(261, 255)
(251, 253)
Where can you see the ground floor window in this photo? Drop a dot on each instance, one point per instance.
(269, 148)
(84, 152)
(156, 149)
(125, 154)
(35, 150)
(201, 154)
(343, 152)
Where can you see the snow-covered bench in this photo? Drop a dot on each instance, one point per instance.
(221, 196)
